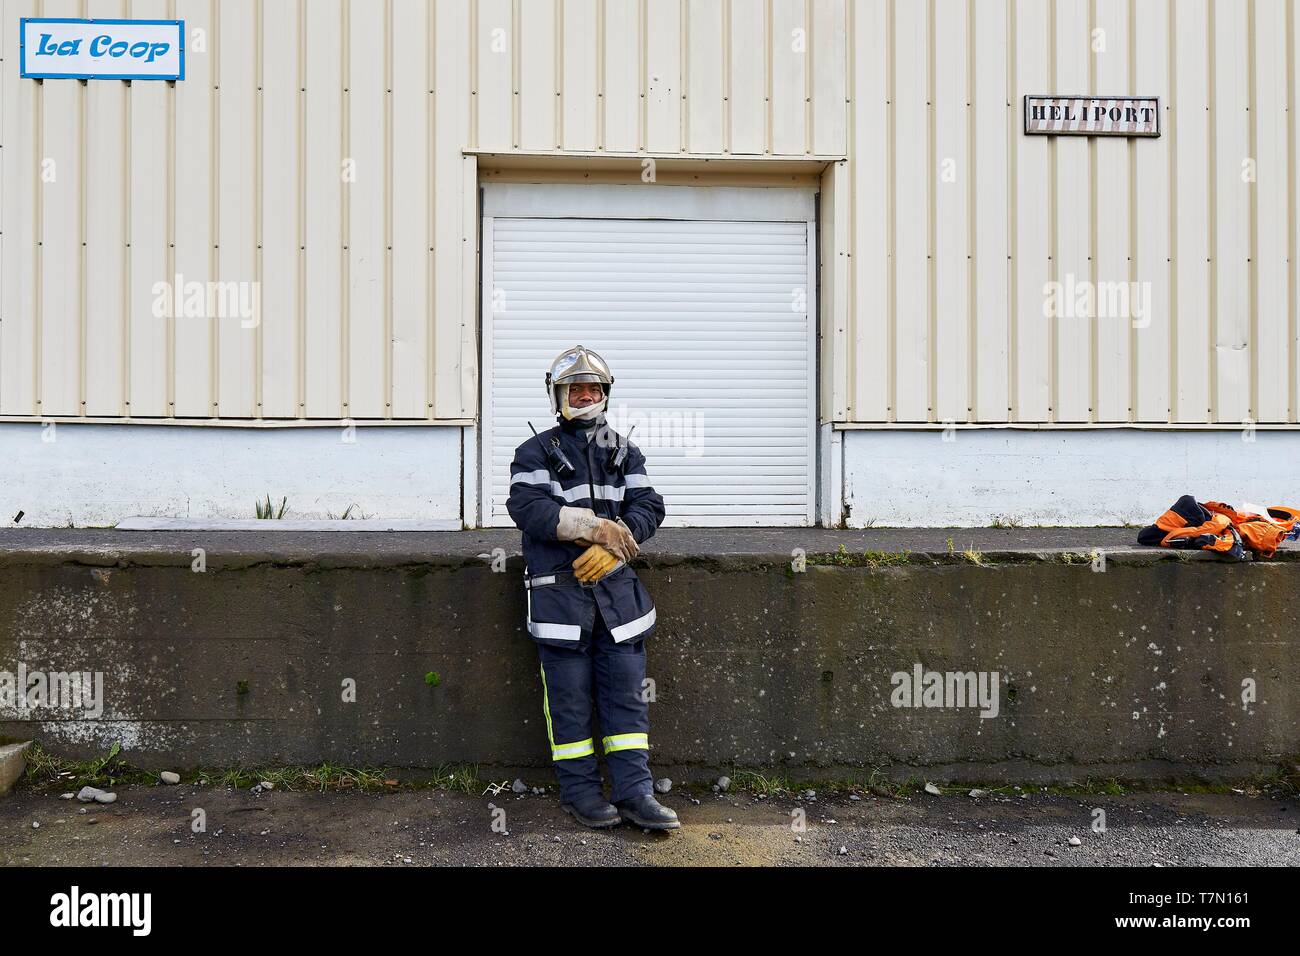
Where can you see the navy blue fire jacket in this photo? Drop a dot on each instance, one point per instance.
(560, 609)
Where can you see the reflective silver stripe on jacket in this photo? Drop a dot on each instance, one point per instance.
(555, 632)
(543, 478)
(625, 632)
(551, 632)
(531, 477)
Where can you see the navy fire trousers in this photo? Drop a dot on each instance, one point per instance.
(614, 675)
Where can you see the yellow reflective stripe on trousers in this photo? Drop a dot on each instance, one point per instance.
(581, 748)
(546, 709)
(626, 742)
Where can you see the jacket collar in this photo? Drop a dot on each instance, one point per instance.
(578, 428)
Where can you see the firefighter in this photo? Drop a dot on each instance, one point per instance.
(580, 494)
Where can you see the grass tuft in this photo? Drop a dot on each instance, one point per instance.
(873, 560)
(267, 511)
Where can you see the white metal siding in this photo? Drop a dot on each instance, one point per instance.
(236, 174)
(315, 148)
(949, 272)
(706, 328)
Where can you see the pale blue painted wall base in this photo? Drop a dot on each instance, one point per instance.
(96, 475)
(1075, 478)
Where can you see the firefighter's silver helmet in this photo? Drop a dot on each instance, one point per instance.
(578, 364)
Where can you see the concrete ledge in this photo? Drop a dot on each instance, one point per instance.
(1155, 664)
(291, 548)
(13, 762)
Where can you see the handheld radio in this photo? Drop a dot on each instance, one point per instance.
(560, 463)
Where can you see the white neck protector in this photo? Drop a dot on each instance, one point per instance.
(590, 413)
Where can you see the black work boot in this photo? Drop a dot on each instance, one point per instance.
(594, 811)
(645, 811)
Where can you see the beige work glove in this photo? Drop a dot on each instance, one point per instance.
(583, 526)
(593, 564)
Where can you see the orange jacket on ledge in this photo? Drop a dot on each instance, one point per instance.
(1217, 527)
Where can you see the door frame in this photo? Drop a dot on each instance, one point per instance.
(645, 201)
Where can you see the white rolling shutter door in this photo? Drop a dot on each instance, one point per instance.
(706, 327)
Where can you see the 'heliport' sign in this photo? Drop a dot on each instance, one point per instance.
(66, 49)
(1092, 115)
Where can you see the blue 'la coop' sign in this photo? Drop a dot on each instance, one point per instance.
(67, 49)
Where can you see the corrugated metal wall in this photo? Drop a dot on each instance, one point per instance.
(307, 151)
(946, 311)
(318, 148)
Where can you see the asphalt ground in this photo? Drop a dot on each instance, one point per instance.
(154, 826)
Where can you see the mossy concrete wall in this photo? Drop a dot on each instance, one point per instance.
(1144, 665)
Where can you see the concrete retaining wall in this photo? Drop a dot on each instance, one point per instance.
(1137, 669)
